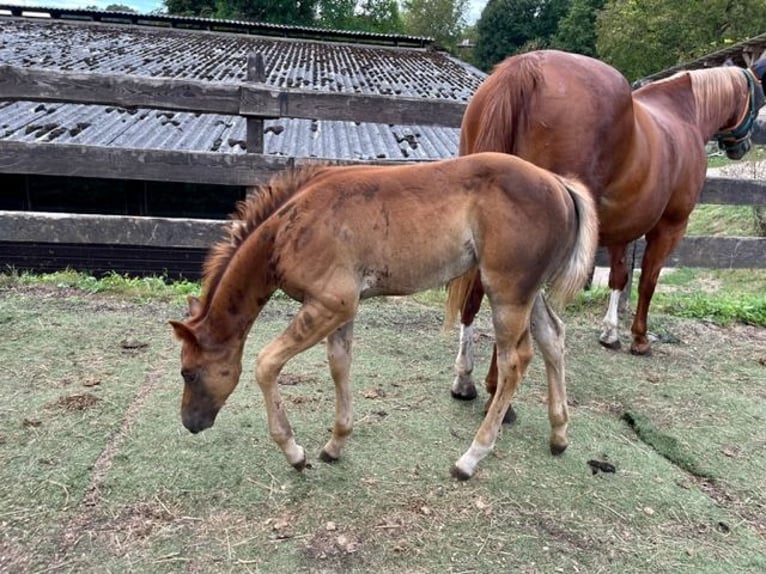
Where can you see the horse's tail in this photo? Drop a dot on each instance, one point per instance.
(497, 113)
(570, 277)
(457, 292)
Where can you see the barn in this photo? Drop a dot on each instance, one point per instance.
(100, 186)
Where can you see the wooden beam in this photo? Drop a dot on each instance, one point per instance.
(151, 165)
(69, 160)
(256, 100)
(75, 228)
(730, 191)
(18, 83)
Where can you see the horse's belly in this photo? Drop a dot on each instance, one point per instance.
(416, 268)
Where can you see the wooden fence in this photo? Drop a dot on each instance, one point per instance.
(32, 234)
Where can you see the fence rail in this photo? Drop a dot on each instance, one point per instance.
(26, 235)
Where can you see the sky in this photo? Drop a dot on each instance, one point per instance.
(144, 6)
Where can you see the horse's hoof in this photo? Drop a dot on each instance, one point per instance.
(301, 464)
(325, 456)
(459, 473)
(464, 394)
(557, 449)
(612, 345)
(510, 416)
(641, 350)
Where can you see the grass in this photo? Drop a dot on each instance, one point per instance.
(114, 482)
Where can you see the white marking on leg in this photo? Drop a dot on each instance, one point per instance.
(467, 463)
(610, 334)
(463, 383)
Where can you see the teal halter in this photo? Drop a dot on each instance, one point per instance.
(732, 137)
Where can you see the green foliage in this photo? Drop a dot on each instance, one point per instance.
(722, 307)
(640, 38)
(201, 8)
(140, 288)
(272, 11)
(577, 29)
(442, 20)
(510, 26)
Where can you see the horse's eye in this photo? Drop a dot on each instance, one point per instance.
(190, 375)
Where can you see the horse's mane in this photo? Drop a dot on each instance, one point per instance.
(712, 89)
(248, 216)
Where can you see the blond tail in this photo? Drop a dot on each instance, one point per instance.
(570, 278)
(457, 291)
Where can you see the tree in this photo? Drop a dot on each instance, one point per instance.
(442, 20)
(640, 38)
(577, 29)
(510, 26)
(301, 13)
(201, 8)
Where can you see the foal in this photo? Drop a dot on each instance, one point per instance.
(332, 236)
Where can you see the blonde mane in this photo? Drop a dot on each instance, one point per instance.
(713, 86)
(248, 216)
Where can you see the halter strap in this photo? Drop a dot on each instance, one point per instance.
(745, 124)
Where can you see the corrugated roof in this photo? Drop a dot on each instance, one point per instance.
(222, 57)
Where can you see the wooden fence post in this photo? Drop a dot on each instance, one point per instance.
(256, 72)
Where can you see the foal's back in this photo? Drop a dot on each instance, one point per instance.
(402, 229)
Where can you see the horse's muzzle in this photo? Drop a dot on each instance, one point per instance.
(738, 150)
(197, 422)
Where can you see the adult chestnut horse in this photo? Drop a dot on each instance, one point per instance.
(331, 236)
(641, 154)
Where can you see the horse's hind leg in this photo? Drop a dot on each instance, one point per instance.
(514, 348)
(618, 279)
(548, 332)
(311, 323)
(339, 357)
(463, 387)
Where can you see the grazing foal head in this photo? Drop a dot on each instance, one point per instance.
(210, 371)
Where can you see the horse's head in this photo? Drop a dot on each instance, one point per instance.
(210, 371)
(736, 142)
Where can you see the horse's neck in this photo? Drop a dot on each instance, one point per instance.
(245, 287)
(721, 99)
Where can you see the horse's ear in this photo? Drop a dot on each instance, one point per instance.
(195, 305)
(183, 332)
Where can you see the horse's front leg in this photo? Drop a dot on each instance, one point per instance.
(339, 357)
(660, 241)
(310, 325)
(618, 279)
(514, 346)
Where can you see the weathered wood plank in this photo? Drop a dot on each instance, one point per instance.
(255, 100)
(151, 165)
(75, 228)
(18, 83)
(729, 191)
(711, 252)
(15, 226)
(344, 107)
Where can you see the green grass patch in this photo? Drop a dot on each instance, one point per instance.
(136, 288)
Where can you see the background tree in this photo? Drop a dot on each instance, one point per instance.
(510, 26)
(201, 8)
(640, 38)
(442, 20)
(577, 29)
(273, 11)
